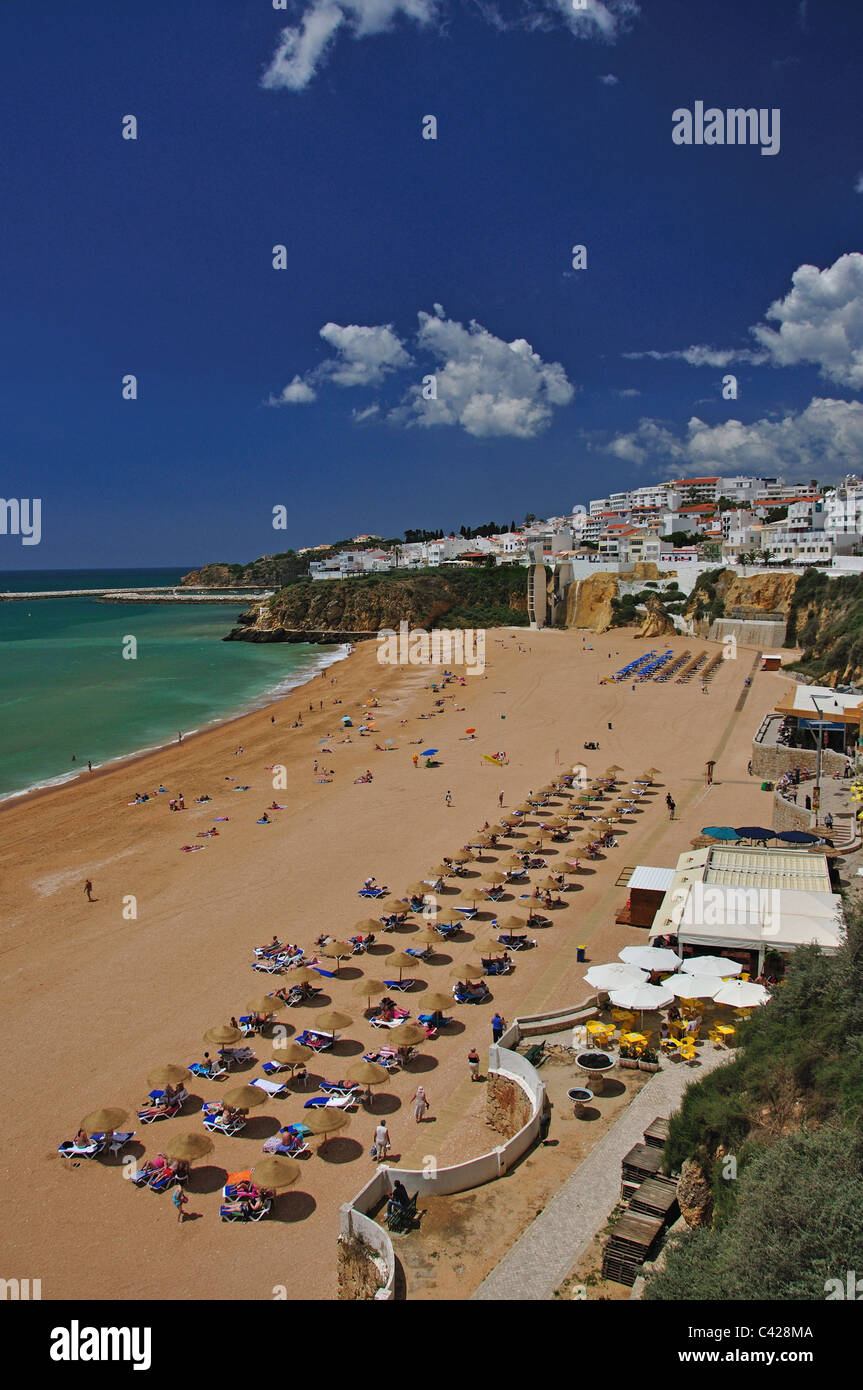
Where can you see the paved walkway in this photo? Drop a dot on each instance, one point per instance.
(551, 1246)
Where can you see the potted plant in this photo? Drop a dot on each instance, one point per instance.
(628, 1056)
(649, 1060)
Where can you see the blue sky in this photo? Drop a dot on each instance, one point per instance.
(554, 128)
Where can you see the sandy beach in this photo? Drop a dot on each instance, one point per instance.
(97, 999)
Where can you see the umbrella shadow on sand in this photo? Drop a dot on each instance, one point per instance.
(320, 1001)
(346, 1047)
(205, 1178)
(290, 1207)
(422, 1063)
(340, 1149)
(383, 1103)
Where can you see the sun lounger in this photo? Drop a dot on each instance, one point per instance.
(400, 985)
(163, 1179)
(292, 1149)
(434, 1021)
(461, 997)
(245, 1210)
(274, 1089)
(274, 1067)
(318, 1042)
(496, 967)
(386, 1057)
(117, 1141)
(372, 893)
(214, 1123)
(400, 1017)
(238, 1055)
(269, 965)
(331, 1102)
(69, 1149)
(159, 1112)
(211, 1073)
(340, 1088)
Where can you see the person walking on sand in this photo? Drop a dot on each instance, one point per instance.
(500, 798)
(421, 1104)
(180, 736)
(672, 807)
(382, 1141)
(473, 1063)
(448, 798)
(498, 1024)
(88, 889)
(179, 1199)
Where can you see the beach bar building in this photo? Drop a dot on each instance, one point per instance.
(747, 902)
(810, 708)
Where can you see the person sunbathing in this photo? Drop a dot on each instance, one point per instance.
(386, 1013)
(82, 1139)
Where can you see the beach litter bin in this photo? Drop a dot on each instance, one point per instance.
(581, 954)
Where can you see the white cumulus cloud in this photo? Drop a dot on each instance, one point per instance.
(824, 439)
(366, 354)
(484, 384)
(821, 321)
(297, 392)
(303, 48)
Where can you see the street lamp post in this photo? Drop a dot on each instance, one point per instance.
(819, 747)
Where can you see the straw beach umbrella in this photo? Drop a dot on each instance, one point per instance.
(495, 880)
(275, 1172)
(407, 1035)
(303, 975)
(368, 989)
(368, 1074)
(324, 1121)
(468, 970)
(436, 1002)
(169, 1075)
(331, 1021)
(401, 960)
(245, 1097)
(337, 950)
(366, 926)
(291, 1054)
(104, 1121)
(419, 890)
(389, 907)
(462, 857)
(223, 1035)
(265, 1004)
(188, 1147)
(428, 936)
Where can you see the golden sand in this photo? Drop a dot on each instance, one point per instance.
(94, 1000)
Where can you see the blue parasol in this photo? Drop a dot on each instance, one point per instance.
(797, 837)
(755, 832)
(428, 752)
(721, 832)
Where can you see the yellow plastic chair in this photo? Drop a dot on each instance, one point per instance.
(623, 1017)
(599, 1033)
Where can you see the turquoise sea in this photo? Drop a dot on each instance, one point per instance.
(66, 689)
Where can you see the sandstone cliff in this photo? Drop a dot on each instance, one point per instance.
(657, 621)
(588, 602)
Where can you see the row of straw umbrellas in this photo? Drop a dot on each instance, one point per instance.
(275, 1172)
